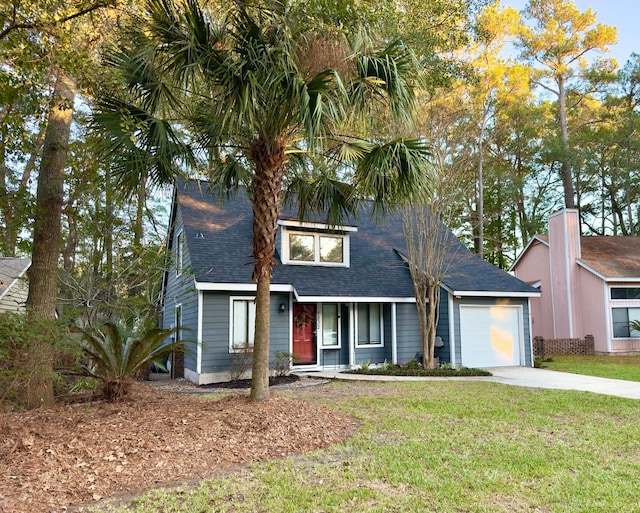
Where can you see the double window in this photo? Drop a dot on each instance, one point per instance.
(243, 323)
(369, 325)
(316, 248)
(621, 318)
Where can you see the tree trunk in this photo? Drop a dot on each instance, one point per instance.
(421, 305)
(432, 323)
(567, 179)
(43, 273)
(269, 160)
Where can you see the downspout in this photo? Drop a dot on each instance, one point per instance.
(394, 335)
(452, 331)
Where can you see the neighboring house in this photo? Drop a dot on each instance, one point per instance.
(340, 295)
(590, 285)
(13, 284)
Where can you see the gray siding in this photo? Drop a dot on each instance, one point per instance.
(180, 290)
(408, 332)
(216, 312)
(378, 354)
(442, 330)
(494, 302)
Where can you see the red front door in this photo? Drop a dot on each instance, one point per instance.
(304, 334)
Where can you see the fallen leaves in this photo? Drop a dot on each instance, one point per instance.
(73, 454)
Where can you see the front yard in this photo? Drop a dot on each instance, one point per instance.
(441, 446)
(617, 367)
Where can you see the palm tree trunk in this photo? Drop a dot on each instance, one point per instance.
(266, 188)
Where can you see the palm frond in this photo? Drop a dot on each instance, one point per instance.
(394, 172)
(322, 192)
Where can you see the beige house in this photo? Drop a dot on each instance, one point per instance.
(590, 285)
(13, 284)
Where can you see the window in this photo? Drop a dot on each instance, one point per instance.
(315, 248)
(621, 318)
(330, 326)
(369, 324)
(243, 322)
(625, 292)
(179, 250)
(301, 247)
(331, 249)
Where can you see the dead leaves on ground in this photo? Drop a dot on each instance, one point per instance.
(73, 454)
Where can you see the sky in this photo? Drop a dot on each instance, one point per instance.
(623, 14)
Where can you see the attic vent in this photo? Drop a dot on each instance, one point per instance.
(199, 235)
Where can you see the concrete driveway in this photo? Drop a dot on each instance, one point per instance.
(518, 376)
(542, 378)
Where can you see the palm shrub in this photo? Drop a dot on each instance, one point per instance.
(634, 325)
(116, 355)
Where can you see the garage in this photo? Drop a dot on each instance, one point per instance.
(490, 336)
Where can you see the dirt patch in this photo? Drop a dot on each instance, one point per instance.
(72, 454)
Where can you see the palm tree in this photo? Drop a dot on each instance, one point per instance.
(254, 94)
(116, 355)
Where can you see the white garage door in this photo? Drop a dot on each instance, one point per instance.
(490, 336)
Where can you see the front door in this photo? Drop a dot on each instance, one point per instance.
(304, 334)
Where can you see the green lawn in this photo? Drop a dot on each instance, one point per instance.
(618, 367)
(443, 447)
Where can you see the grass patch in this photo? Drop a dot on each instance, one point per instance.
(448, 446)
(617, 367)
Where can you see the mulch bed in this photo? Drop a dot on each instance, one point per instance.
(53, 458)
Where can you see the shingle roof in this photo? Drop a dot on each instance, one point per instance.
(613, 257)
(223, 254)
(609, 255)
(10, 269)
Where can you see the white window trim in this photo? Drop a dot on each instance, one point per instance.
(624, 299)
(316, 247)
(363, 346)
(231, 300)
(179, 252)
(627, 306)
(321, 325)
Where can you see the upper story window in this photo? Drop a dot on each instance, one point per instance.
(316, 248)
(625, 293)
(315, 244)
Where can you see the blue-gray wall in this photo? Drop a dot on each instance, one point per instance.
(442, 330)
(180, 289)
(216, 325)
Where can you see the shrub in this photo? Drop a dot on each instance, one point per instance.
(117, 355)
(282, 363)
(240, 362)
(31, 350)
